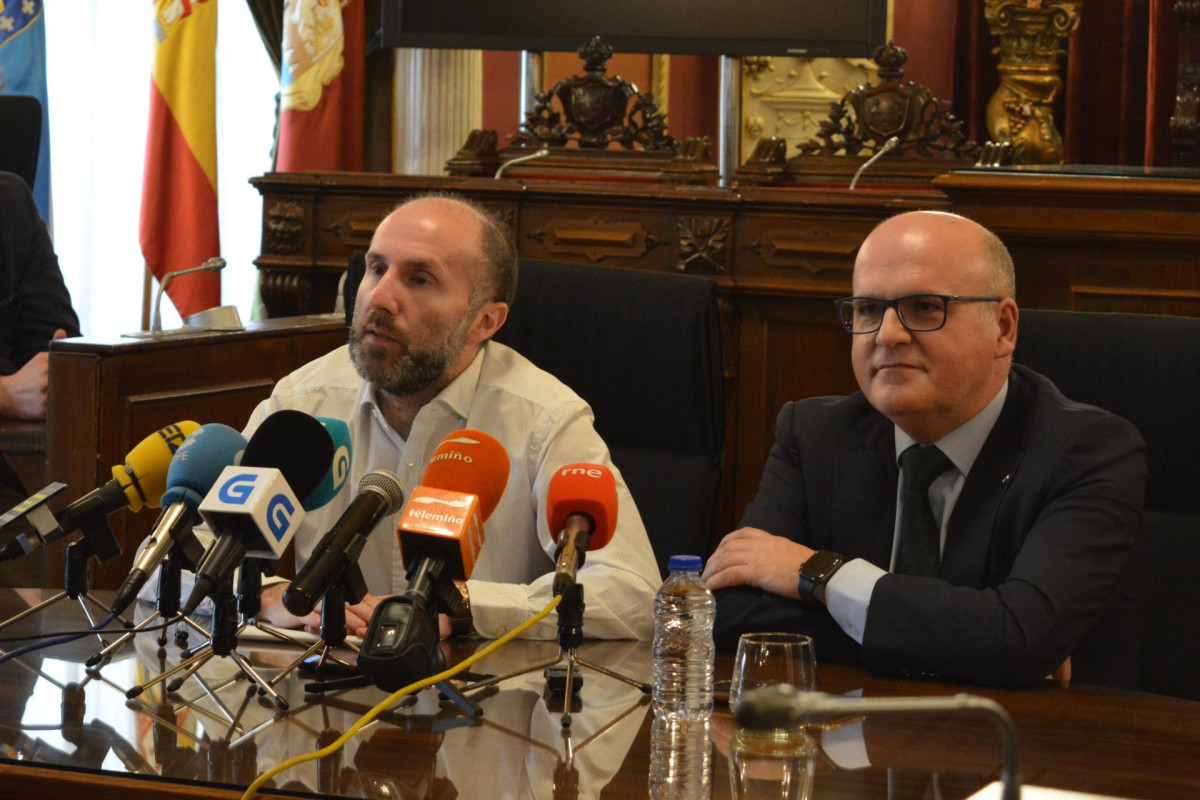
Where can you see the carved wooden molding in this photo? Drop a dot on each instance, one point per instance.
(284, 292)
(355, 230)
(284, 226)
(702, 244)
(1135, 300)
(596, 239)
(809, 249)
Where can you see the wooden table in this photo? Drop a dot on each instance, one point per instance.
(77, 736)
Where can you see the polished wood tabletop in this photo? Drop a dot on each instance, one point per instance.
(65, 729)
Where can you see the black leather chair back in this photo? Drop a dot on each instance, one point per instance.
(20, 135)
(1145, 368)
(644, 350)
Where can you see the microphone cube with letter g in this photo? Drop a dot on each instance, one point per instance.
(256, 505)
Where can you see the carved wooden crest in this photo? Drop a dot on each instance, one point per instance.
(596, 110)
(870, 115)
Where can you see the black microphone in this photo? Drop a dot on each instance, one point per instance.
(379, 495)
(788, 707)
(297, 449)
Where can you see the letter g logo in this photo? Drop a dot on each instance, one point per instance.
(341, 467)
(279, 515)
(237, 489)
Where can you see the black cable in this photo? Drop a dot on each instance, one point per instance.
(63, 637)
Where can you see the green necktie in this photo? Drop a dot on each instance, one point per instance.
(920, 538)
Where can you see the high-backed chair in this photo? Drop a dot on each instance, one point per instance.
(20, 135)
(1146, 369)
(644, 350)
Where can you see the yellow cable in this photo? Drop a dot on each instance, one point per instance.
(390, 700)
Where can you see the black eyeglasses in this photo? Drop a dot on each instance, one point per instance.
(920, 313)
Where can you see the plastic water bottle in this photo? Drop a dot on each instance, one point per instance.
(680, 760)
(684, 610)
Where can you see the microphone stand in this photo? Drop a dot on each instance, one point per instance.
(350, 586)
(76, 580)
(570, 636)
(427, 593)
(224, 642)
(166, 608)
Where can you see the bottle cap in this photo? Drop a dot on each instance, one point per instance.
(685, 564)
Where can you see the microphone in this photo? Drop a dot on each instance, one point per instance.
(545, 151)
(440, 535)
(139, 481)
(888, 146)
(339, 469)
(581, 503)
(379, 495)
(254, 508)
(193, 471)
(788, 707)
(460, 489)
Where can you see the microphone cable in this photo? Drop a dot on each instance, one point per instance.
(390, 700)
(52, 638)
(62, 638)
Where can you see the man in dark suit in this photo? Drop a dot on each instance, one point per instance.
(996, 568)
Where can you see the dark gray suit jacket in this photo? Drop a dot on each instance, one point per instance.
(1036, 551)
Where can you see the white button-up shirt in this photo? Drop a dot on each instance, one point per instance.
(543, 425)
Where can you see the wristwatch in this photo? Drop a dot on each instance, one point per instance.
(817, 571)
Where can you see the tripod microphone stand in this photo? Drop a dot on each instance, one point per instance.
(224, 641)
(570, 636)
(75, 587)
(166, 608)
(349, 587)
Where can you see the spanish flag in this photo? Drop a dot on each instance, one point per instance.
(322, 86)
(179, 190)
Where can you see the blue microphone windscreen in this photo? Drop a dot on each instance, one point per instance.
(199, 461)
(295, 444)
(339, 469)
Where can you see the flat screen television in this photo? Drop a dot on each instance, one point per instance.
(838, 28)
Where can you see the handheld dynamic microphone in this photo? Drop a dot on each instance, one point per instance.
(460, 489)
(193, 471)
(440, 535)
(581, 503)
(255, 508)
(379, 495)
(339, 469)
(138, 482)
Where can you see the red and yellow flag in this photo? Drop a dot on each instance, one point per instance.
(179, 192)
(322, 86)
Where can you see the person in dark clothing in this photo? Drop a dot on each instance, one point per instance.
(996, 568)
(35, 307)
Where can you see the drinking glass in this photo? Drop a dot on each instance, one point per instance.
(770, 659)
(756, 773)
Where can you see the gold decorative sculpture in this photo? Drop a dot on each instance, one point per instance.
(1031, 33)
